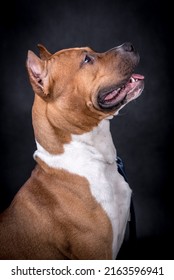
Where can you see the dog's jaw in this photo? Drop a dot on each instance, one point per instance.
(116, 97)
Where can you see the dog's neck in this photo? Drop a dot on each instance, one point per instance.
(96, 145)
(55, 140)
(50, 138)
(53, 128)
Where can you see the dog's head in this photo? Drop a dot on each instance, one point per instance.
(85, 86)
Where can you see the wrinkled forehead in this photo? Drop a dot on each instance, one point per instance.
(74, 51)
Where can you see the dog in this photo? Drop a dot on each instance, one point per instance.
(75, 205)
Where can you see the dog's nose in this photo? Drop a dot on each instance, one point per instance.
(128, 47)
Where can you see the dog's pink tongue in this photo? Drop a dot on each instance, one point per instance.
(138, 76)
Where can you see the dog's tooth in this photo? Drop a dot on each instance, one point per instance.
(132, 80)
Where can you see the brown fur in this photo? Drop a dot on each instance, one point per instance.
(59, 222)
(54, 215)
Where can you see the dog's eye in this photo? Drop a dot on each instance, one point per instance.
(88, 59)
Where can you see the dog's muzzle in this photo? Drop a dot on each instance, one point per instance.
(115, 97)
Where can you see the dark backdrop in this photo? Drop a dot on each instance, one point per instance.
(142, 132)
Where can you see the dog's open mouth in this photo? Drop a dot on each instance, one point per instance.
(117, 96)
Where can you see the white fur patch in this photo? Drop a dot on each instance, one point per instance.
(93, 156)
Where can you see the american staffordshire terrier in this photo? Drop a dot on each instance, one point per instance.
(75, 205)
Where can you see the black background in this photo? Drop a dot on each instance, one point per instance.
(142, 132)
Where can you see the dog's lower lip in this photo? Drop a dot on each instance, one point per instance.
(116, 96)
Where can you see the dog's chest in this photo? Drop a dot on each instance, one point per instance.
(93, 156)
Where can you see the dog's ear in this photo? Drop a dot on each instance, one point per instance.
(44, 53)
(37, 73)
